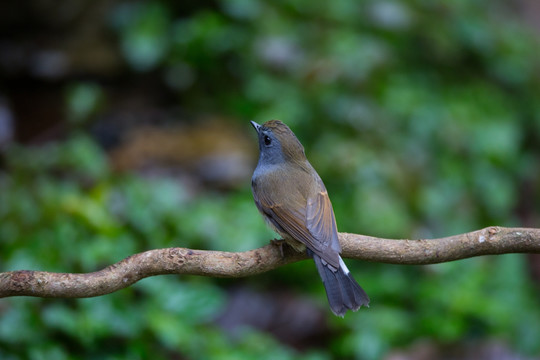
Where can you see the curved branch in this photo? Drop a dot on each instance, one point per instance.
(488, 241)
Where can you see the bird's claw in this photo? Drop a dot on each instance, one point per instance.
(279, 243)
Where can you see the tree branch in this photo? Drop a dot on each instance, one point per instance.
(488, 241)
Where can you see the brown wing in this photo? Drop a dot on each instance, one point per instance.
(310, 221)
(321, 222)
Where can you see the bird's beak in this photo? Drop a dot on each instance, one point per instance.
(256, 126)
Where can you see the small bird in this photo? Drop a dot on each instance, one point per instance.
(294, 202)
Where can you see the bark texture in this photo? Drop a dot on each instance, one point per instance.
(488, 241)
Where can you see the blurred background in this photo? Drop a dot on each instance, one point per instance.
(124, 127)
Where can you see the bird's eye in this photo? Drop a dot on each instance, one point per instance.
(267, 140)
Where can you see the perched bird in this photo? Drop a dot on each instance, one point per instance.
(293, 200)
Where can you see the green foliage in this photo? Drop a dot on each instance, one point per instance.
(86, 219)
(83, 100)
(144, 29)
(421, 117)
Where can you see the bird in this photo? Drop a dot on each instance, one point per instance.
(293, 200)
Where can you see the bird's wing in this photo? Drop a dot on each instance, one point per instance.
(310, 221)
(321, 222)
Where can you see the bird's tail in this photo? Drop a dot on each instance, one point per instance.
(342, 290)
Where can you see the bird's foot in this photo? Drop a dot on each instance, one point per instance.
(279, 243)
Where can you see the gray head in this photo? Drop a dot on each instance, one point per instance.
(277, 143)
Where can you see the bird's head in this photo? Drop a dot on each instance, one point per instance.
(277, 143)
